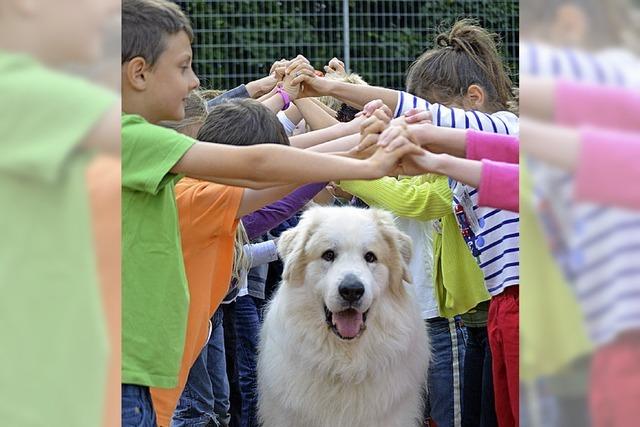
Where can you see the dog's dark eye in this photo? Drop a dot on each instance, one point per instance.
(329, 255)
(370, 257)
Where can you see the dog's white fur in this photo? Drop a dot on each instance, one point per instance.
(307, 375)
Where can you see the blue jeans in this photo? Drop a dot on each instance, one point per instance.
(197, 405)
(137, 407)
(479, 406)
(444, 401)
(217, 368)
(248, 320)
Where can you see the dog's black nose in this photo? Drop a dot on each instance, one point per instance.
(351, 288)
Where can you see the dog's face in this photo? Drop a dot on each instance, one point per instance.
(346, 258)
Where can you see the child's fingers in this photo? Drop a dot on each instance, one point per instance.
(419, 117)
(380, 114)
(405, 148)
(387, 111)
(372, 106)
(372, 125)
(296, 62)
(366, 142)
(398, 142)
(305, 76)
(336, 65)
(389, 134)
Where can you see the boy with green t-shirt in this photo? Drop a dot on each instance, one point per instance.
(52, 328)
(156, 79)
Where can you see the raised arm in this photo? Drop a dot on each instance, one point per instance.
(354, 95)
(278, 164)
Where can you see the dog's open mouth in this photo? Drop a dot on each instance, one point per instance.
(347, 324)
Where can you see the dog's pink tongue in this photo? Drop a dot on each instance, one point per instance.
(348, 322)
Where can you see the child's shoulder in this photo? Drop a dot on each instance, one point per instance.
(26, 81)
(137, 128)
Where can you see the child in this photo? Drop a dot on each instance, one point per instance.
(53, 328)
(209, 214)
(465, 71)
(156, 79)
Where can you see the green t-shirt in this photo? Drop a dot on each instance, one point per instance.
(53, 342)
(155, 296)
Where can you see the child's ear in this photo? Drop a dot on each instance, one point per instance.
(475, 97)
(135, 73)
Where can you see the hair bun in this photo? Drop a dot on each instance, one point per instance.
(442, 40)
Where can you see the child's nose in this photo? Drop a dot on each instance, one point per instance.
(195, 83)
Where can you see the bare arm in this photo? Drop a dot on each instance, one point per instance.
(261, 86)
(559, 146)
(105, 136)
(339, 145)
(320, 136)
(314, 115)
(278, 164)
(354, 95)
(328, 110)
(252, 200)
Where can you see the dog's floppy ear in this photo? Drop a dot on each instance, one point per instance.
(405, 246)
(291, 249)
(400, 247)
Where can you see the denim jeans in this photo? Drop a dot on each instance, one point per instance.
(137, 408)
(230, 338)
(197, 405)
(444, 401)
(479, 405)
(248, 320)
(217, 367)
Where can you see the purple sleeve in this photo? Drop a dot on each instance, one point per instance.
(485, 145)
(499, 185)
(263, 220)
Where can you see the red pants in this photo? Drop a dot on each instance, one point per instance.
(504, 339)
(614, 393)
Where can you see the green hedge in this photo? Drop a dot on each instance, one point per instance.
(237, 41)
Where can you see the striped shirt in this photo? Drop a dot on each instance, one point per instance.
(597, 247)
(492, 235)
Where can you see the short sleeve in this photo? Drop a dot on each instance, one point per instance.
(45, 115)
(208, 207)
(149, 152)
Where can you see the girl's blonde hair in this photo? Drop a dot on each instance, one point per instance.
(241, 262)
(465, 55)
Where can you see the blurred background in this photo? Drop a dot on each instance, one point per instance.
(237, 41)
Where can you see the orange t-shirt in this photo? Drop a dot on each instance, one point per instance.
(207, 214)
(103, 179)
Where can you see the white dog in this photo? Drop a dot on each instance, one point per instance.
(343, 343)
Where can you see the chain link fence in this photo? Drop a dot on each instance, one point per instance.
(237, 41)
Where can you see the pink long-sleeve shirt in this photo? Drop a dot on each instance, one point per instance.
(499, 180)
(608, 169)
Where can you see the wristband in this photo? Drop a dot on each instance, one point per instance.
(285, 97)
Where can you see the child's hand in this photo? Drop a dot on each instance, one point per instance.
(390, 163)
(419, 164)
(278, 69)
(300, 68)
(390, 137)
(415, 115)
(371, 129)
(335, 66)
(373, 106)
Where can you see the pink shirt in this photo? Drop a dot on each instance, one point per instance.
(608, 168)
(499, 181)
